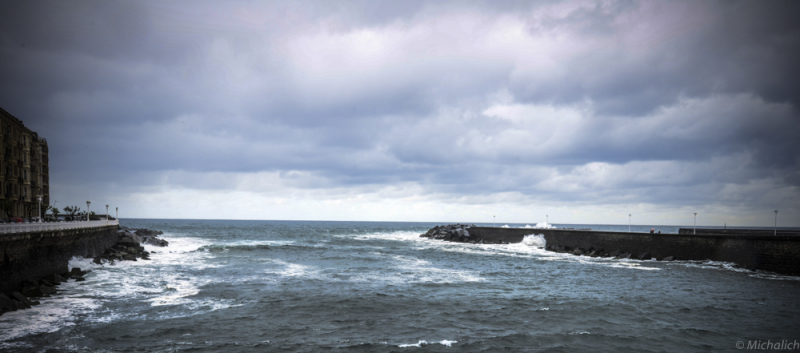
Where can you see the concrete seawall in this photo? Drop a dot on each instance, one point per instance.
(779, 254)
(36, 254)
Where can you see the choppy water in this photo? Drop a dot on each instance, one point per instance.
(377, 287)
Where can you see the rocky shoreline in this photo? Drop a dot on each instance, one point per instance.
(127, 248)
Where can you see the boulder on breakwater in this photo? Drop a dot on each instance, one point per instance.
(457, 233)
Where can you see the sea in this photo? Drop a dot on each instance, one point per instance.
(305, 286)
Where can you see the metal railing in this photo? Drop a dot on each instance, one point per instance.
(39, 227)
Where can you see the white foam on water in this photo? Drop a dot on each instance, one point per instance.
(505, 226)
(43, 318)
(160, 281)
(535, 240)
(291, 270)
(447, 343)
(415, 270)
(423, 343)
(542, 225)
(730, 266)
(175, 293)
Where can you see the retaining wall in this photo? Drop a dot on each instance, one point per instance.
(37, 254)
(779, 254)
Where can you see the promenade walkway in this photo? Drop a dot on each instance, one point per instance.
(40, 227)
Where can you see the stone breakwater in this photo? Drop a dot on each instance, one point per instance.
(126, 247)
(744, 248)
(460, 233)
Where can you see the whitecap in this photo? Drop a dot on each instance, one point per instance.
(447, 343)
(421, 343)
(579, 333)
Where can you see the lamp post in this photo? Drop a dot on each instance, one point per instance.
(629, 222)
(776, 222)
(106, 214)
(494, 221)
(40, 208)
(546, 220)
(694, 230)
(116, 214)
(87, 211)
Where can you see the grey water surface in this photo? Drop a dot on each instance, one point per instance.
(296, 286)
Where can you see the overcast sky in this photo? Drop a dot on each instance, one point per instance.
(412, 110)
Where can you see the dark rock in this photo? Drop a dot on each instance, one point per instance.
(54, 279)
(625, 255)
(126, 244)
(596, 253)
(6, 303)
(18, 305)
(668, 258)
(23, 299)
(615, 253)
(645, 256)
(30, 283)
(79, 279)
(129, 257)
(577, 251)
(47, 290)
(47, 283)
(76, 271)
(31, 291)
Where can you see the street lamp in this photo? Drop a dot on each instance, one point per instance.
(694, 230)
(106, 214)
(629, 222)
(40, 208)
(776, 222)
(116, 214)
(87, 210)
(494, 221)
(546, 220)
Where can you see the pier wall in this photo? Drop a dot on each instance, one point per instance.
(779, 253)
(33, 255)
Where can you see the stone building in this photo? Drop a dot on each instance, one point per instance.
(24, 168)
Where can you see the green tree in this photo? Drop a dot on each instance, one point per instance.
(72, 210)
(55, 212)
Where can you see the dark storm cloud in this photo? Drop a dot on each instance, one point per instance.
(584, 102)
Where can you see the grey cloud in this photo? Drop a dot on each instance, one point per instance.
(147, 88)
